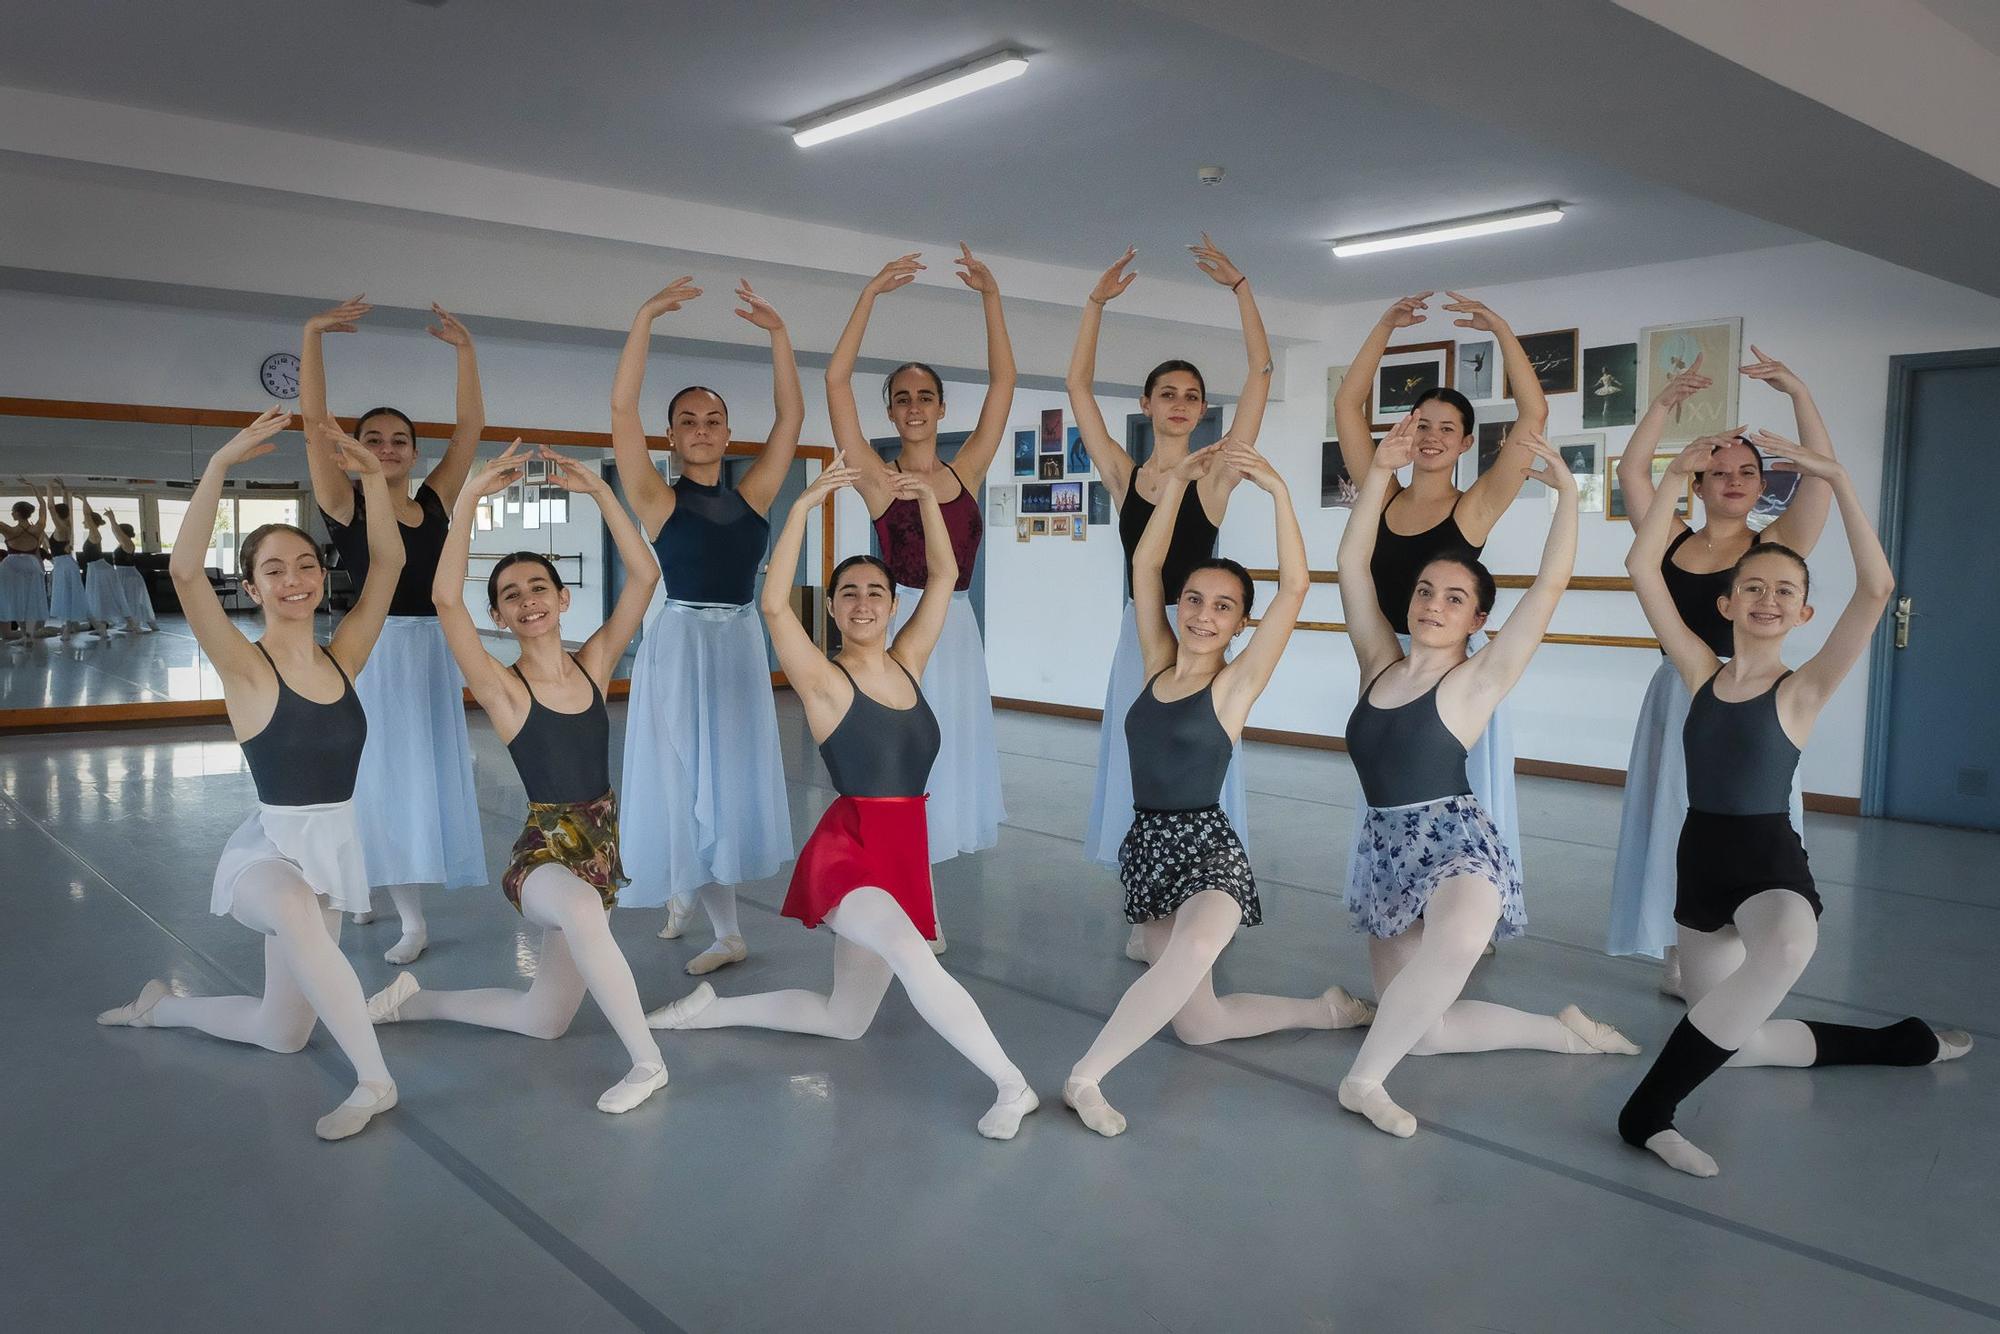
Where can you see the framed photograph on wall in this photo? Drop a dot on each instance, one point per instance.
(1066, 498)
(1406, 374)
(1584, 454)
(1035, 498)
(1024, 453)
(1554, 356)
(1100, 503)
(1337, 490)
(1050, 468)
(1480, 373)
(1038, 526)
(1052, 432)
(1059, 526)
(1781, 483)
(1610, 385)
(1076, 459)
(1665, 350)
(1489, 432)
(1335, 376)
(1020, 528)
(1614, 495)
(1078, 529)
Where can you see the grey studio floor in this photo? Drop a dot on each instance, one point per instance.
(162, 1180)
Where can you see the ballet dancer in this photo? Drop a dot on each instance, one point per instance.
(702, 764)
(1439, 516)
(295, 864)
(24, 592)
(135, 596)
(965, 800)
(865, 871)
(100, 578)
(1432, 881)
(1188, 884)
(416, 784)
(68, 603)
(1745, 902)
(564, 873)
(1697, 567)
(1174, 401)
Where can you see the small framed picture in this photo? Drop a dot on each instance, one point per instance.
(1489, 434)
(1059, 526)
(1584, 455)
(1035, 498)
(1100, 503)
(1406, 374)
(1039, 526)
(1078, 528)
(1554, 356)
(1781, 483)
(1076, 459)
(555, 505)
(1665, 350)
(531, 507)
(1024, 453)
(536, 470)
(1066, 498)
(1480, 374)
(1614, 495)
(1610, 385)
(1021, 522)
(483, 517)
(1052, 432)
(514, 498)
(1337, 490)
(1000, 507)
(1051, 467)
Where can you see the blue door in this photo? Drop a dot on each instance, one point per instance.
(1934, 735)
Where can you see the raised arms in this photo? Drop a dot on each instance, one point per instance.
(761, 482)
(1350, 401)
(332, 491)
(470, 410)
(1804, 519)
(871, 476)
(503, 697)
(1156, 636)
(1106, 454)
(1635, 468)
(1249, 416)
(1692, 658)
(355, 637)
(1494, 669)
(600, 653)
(1368, 629)
(975, 456)
(652, 499)
(805, 666)
(1244, 679)
(1496, 488)
(219, 638)
(919, 635)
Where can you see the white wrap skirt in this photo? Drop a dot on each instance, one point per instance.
(415, 793)
(67, 600)
(965, 807)
(24, 593)
(703, 791)
(1645, 881)
(1111, 798)
(101, 593)
(323, 842)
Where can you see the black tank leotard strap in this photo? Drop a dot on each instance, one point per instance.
(1399, 559)
(1191, 542)
(1405, 755)
(1695, 596)
(423, 547)
(563, 757)
(1180, 750)
(877, 751)
(309, 753)
(1739, 760)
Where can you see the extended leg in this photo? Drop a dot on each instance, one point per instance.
(860, 980)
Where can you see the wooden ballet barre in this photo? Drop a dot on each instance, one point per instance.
(1582, 583)
(1585, 641)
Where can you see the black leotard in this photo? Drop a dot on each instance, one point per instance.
(1191, 542)
(1398, 560)
(423, 546)
(1739, 760)
(1695, 596)
(1179, 748)
(563, 757)
(877, 751)
(309, 753)
(1405, 755)
(711, 545)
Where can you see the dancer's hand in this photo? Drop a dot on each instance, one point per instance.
(1252, 466)
(498, 474)
(573, 475)
(1805, 460)
(1398, 448)
(1196, 465)
(1683, 386)
(909, 486)
(898, 272)
(348, 453)
(1406, 312)
(1774, 373)
(831, 479)
(1696, 457)
(1553, 472)
(1215, 264)
(448, 328)
(974, 273)
(1476, 314)
(756, 309)
(671, 297)
(1111, 284)
(254, 440)
(339, 319)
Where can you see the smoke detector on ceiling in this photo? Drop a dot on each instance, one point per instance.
(1208, 175)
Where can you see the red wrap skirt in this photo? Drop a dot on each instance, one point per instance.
(880, 841)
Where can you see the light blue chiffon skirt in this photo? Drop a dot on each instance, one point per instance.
(702, 798)
(1111, 798)
(24, 593)
(67, 600)
(414, 798)
(965, 807)
(1645, 880)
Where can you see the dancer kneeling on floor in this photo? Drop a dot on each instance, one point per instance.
(295, 865)
(1185, 875)
(865, 871)
(1432, 880)
(564, 873)
(1746, 906)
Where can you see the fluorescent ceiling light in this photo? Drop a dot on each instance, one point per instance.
(1457, 229)
(897, 103)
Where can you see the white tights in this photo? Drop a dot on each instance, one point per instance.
(1736, 977)
(306, 977)
(874, 940)
(577, 954)
(719, 903)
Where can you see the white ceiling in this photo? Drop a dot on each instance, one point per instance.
(1095, 148)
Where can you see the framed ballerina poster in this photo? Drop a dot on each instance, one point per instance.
(1610, 385)
(1406, 374)
(1665, 350)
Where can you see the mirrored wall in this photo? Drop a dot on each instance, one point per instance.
(117, 467)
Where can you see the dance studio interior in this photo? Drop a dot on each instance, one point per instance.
(1379, 615)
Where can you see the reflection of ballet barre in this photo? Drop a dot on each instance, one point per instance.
(1581, 583)
(493, 557)
(1587, 641)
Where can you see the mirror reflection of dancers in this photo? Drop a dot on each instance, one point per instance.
(24, 592)
(865, 871)
(1174, 401)
(68, 603)
(135, 597)
(965, 800)
(295, 865)
(1746, 903)
(1431, 880)
(702, 764)
(1188, 884)
(100, 579)
(416, 783)
(564, 872)
(1698, 567)
(1438, 515)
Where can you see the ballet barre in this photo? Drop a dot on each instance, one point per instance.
(1589, 583)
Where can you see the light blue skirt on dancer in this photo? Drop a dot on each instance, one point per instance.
(24, 593)
(135, 595)
(67, 600)
(101, 593)
(1644, 882)
(1111, 799)
(703, 792)
(965, 810)
(414, 797)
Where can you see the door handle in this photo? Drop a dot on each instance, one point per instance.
(1905, 609)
